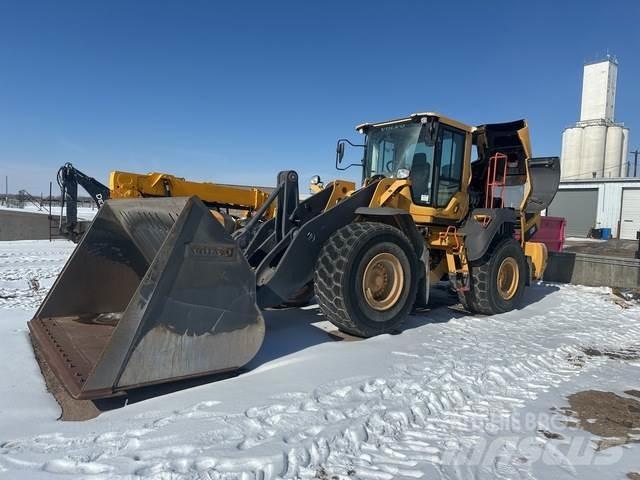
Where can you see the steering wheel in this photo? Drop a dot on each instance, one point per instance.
(389, 166)
(374, 178)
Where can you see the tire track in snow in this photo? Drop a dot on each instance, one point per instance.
(10, 257)
(20, 267)
(446, 391)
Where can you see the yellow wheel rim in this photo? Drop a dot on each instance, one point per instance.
(508, 277)
(383, 281)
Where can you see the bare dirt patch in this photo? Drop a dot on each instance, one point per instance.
(609, 248)
(615, 418)
(627, 353)
(626, 297)
(629, 294)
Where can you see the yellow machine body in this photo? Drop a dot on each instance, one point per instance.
(441, 224)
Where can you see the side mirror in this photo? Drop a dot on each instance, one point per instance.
(339, 152)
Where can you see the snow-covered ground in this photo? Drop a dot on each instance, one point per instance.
(84, 213)
(452, 396)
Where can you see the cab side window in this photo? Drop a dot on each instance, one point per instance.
(450, 165)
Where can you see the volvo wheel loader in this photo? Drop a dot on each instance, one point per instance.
(157, 290)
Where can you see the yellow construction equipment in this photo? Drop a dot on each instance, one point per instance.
(228, 203)
(214, 195)
(158, 290)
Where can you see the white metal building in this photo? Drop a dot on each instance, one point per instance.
(599, 203)
(596, 146)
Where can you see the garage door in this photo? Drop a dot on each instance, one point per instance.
(578, 207)
(630, 216)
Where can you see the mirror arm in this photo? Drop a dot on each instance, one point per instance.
(339, 157)
(349, 166)
(352, 144)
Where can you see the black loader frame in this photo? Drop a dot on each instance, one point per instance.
(283, 250)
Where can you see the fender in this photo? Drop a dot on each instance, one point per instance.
(483, 225)
(401, 219)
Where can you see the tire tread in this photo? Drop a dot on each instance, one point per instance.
(331, 267)
(478, 298)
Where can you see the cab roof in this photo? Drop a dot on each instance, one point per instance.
(413, 116)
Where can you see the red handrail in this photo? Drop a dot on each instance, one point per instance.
(494, 180)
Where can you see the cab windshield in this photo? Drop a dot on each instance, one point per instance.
(402, 146)
(435, 167)
(395, 146)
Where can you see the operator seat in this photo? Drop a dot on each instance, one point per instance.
(420, 178)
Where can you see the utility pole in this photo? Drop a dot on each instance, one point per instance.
(635, 161)
(6, 190)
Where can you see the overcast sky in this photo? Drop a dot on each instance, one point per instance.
(235, 91)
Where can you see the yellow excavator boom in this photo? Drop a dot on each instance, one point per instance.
(215, 195)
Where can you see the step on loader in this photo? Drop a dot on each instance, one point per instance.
(158, 290)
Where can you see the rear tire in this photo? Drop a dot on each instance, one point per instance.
(497, 280)
(366, 278)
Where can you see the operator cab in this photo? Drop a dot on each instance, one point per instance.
(434, 152)
(427, 148)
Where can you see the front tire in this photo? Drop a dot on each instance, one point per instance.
(497, 280)
(366, 278)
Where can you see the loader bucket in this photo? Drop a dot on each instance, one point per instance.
(155, 291)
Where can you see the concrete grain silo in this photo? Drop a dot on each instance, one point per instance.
(613, 152)
(596, 146)
(591, 164)
(571, 151)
